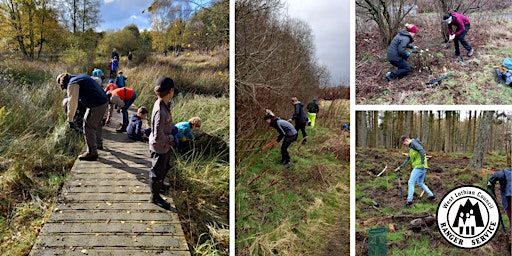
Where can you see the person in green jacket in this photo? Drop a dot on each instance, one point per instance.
(418, 159)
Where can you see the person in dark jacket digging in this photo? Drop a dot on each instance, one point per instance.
(397, 52)
(287, 132)
(504, 177)
(134, 129)
(418, 159)
(299, 117)
(84, 89)
(463, 25)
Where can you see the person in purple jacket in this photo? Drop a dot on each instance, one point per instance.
(462, 26)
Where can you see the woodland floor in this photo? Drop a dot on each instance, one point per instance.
(445, 173)
(473, 81)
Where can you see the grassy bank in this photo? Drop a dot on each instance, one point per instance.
(296, 211)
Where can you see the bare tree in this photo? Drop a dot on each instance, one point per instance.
(482, 142)
(388, 15)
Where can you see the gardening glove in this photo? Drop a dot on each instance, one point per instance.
(72, 126)
(452, 37)
(414, 47)
(407, 54)
(422, 167)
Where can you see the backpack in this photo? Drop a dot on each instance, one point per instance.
(507, 63)
(504, 72)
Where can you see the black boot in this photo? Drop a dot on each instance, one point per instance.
(122, 129)
(165, 187)
(155, 195)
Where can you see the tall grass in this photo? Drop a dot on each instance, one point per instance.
(36, 150)
(201, 178)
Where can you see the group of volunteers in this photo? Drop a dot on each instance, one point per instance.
(95, 104)
(287, 132)
(398, 54)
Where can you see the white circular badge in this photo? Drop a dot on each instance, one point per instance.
(468, 217)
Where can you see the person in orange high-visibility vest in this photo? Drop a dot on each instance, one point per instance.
(123, 98)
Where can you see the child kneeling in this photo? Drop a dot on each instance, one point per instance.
(134, 129)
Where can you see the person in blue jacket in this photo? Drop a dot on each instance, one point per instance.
(185, 135)
(121, 79)
(134, 129)
(504, 177)
(82, 88)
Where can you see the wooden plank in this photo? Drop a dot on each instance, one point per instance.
(146, 227)
(77, 251)
(102, 182)
(108, 216)
(140, 206)
(108, 197)
(109, 189)
(130, 241)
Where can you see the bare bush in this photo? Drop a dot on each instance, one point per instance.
(274, 62)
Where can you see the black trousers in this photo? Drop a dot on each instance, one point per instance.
(302, 128)
(287, 141)
(160, 165)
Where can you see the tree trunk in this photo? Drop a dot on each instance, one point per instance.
(482, 142)
(361, 132)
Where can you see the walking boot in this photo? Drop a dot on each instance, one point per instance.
(122, 129)
(155, 195)
(88, 157)
(165, 187)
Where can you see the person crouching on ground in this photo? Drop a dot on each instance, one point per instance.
(287, 133)
(185, 135)
(134, 129)
(504, 177)
(463, 25)
(418, 159)
(397, 52)
(84, 89)
(299, 117)
(161, 139)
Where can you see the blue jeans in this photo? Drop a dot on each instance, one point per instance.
(462, 39)
(403, 68)
(124, 110)
(417, 176)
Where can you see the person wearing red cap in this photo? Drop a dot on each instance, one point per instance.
(398, 54)
(462, 24)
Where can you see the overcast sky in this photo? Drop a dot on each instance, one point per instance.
(330, 22)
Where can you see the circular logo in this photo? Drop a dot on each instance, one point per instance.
(468, 217)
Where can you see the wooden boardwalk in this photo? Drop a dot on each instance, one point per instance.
(104, 208)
